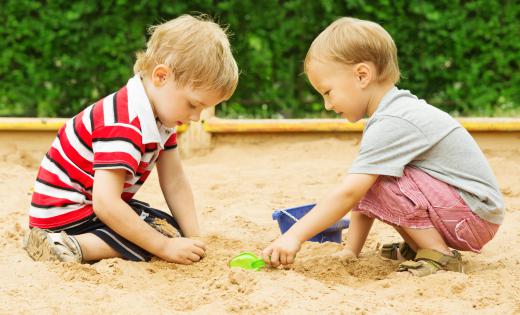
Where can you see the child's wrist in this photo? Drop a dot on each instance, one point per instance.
(161, 249)
(296, 235)
(191, 231)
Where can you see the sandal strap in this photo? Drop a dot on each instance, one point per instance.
(419, 268)
(391, 250)
(429, 261)
(407, 252)
(446, 262)
(72, 243)
(433, 255)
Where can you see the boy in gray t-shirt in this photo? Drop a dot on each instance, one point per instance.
(418, 169)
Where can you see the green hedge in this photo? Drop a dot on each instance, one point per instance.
(59, 56)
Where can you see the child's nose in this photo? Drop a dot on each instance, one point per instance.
(328, 105)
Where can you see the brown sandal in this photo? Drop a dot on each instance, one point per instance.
(429, 261)
(391, 251)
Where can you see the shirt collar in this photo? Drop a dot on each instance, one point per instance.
(153, 131)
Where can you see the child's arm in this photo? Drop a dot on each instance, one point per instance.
(117, 214)
(177, 192)
(329, 210)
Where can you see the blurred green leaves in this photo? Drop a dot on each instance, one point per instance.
(56, 57)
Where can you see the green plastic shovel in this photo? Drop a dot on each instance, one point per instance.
(248, 261)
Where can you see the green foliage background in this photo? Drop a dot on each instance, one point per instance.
(58, 56)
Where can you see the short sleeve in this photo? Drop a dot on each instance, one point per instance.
(171, 143)
(117, 147)
(388, 145)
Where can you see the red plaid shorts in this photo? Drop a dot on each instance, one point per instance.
(417, 200)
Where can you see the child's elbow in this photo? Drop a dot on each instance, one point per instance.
(101, 204)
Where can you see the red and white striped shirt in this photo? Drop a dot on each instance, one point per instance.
(117, 132)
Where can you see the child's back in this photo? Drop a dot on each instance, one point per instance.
(405, 130)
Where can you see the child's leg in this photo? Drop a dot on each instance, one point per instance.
(357, 233)
(428, 238)
(100, 241)
(406, 250)
(409, 240)
(94, 248)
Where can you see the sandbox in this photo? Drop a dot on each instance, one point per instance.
(238, 182)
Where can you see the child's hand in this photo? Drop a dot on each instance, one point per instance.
(183, 250)
(282, 251)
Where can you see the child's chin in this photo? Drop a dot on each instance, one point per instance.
(350, 119)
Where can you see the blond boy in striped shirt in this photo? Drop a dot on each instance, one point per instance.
(82, 207)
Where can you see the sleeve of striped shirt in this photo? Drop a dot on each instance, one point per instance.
(171, 143)
(117, 147)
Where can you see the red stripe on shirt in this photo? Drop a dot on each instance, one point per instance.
(122, 106)
(75, 175)
(62, 219)
(42, 201)
(74, 155)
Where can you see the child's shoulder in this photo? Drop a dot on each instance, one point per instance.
(403, 109)
(406, 106)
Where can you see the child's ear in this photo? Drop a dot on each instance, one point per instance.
(160, 74)
(363, 74)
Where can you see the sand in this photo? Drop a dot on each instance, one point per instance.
(237, 186)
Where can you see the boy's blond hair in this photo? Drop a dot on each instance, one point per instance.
(351, 41)
(196, 49)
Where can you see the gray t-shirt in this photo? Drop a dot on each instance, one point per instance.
(405, 130)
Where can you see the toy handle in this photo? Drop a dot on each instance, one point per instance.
(289, 215)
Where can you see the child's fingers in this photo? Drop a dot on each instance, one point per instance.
(194, 257)
(199, 244)
(290, 258)
(283, 258)
(198, 251)
(266, 255)
(275, 258)
(184, 261)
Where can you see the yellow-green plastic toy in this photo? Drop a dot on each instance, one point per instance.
(248, 261)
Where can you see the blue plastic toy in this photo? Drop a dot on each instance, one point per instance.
(287, 217)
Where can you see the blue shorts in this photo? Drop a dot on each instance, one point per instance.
(127, 249)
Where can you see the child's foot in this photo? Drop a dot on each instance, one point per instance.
(398, 251)
(429, 261)
(46, 246)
